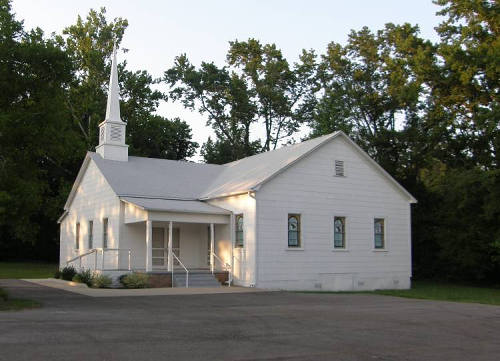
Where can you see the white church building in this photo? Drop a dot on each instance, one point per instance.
(318, 215)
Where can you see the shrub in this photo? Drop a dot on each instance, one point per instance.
(135, 280)
(67, 273)
(85, 276)
(101, 281)
(57, 274)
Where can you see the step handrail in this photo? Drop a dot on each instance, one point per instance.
(228, 267)
(187, 271)
(80, 256)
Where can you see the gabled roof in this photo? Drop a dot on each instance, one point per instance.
(162, 179)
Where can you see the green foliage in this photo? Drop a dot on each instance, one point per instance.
(135, 280)
(101, 281)
(68, 272)
(85, 276)
(52, 97)
(57, 274)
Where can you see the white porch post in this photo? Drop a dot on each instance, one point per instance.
(212, 246)
(170, 257)
(149, 246)
(232, 238)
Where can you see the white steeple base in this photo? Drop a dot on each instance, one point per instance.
(117, 152)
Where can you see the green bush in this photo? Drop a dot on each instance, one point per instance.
(3, 295)
(101, 281)
(67, 273)
(57, 274)
(85, 276)
(135, 280)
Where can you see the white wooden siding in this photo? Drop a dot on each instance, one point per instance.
(244, 258)
(94, 200)
(311, 189)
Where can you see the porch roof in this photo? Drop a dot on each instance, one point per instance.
(171, 205)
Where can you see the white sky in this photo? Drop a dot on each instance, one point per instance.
(160, 30)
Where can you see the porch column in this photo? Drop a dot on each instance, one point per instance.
(149, 246)
(232, 229)
(170, 257)
(212, 246)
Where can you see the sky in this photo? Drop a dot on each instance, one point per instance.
(160, 30)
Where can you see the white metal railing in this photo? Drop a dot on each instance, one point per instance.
(227, 267)
(102, 265)
(80, 257)
(185, 269)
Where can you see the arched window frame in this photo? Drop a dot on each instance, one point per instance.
(238, 231)
(294, 235)
(339, 235)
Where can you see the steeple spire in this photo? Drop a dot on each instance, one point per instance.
(112, 130)
(113, 106)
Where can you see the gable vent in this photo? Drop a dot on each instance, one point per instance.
(339, 168)
(116, 133)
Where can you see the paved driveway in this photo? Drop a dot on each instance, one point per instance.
(249, 326)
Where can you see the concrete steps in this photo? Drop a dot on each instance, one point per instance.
(196, 279)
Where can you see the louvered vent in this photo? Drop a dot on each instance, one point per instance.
(116, 133)
(339, 168)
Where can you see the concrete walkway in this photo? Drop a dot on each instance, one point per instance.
(82, 289)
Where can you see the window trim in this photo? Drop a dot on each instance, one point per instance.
(344, 238)
(299, 231)
(385, 234)
(90, 234)
(105, 233)
(77, 236)
(236, 231)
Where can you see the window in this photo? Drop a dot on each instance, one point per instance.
(339, 232)
(77, 236)
(238, 231)
(294, 230)
(379, 233)
(339, 168)
(91, 234)
(105, 233)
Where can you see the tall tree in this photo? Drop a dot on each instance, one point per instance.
(470, 87)
(257, 86)
(36, 139)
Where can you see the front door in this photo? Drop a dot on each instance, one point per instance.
(159, 248)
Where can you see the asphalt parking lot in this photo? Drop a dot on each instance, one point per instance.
(245, 326)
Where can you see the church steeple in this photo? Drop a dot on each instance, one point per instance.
(112, 130)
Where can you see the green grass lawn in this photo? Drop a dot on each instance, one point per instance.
(8, 304)
(27, 270)
(447, 292)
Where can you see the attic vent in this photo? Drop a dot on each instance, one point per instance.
(339, 168)
(101, 135)
(116, 133)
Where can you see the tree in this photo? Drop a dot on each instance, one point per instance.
(470, 86)
(256, 86)
(35, 137)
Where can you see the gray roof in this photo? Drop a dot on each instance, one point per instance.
(170, 179)
(149, 182)
(155, 204)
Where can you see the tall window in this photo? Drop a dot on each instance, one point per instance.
(77, 236)
(239, 231)
(379, 233)
(105, 233)
(294, 230)
(91, 234)
(339, 232)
